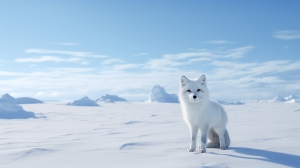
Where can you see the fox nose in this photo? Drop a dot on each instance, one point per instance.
(194, 97)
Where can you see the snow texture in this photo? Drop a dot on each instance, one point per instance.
(10, 110)
(110, 98)
(85, 101)
(230, 102)
(148, 135)
(158, 94)
(27, 100)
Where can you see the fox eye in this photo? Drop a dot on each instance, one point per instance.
(198, 90)
(188, 90)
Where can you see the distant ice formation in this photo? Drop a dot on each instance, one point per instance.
(291, 97)
(85, 101)
(288, 99)
(158, 94)
(9, 99)
(277, 98)
(110, 98)
(10, 110)
(108, 101)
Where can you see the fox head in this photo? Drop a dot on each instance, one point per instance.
(193, 90)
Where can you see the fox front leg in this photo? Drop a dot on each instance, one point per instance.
(204, 130)
(194, 131)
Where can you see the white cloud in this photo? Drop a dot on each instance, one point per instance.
(219, 42)
(111, 61)
(226, 80)
(293, 87)
(71, 53)
(235, 69)
(141, 54)
(276, 66)
(53, 94)
(188, 55)
(46, 59)
(39, 94)
(171, 62)
(287, 34)
(122, 67)
(162, 65)
(237, 52)
(67, 44)
(227, 77)
(33, 65)
(11, 74)
(84, 63)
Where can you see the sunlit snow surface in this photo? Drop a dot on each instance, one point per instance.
(147, 135)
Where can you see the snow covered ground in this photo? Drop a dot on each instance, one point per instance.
(131, 134)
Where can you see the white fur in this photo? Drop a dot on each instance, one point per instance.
(199, 112)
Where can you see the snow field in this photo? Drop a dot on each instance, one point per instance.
(127, 134)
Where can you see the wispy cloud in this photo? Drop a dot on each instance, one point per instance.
(71, 53)
(170, 62)
(219, 42)
(237, 52)
(188, 55)
(111, 61)
(121, 67)
(234, 69)
(85, 63)
(141, 54)
(67, 44)
(287, 34)
(46, 59)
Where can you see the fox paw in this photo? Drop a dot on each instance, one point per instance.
(192, 150)
(223, 147)
(202, 150)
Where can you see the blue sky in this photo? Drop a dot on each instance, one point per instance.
(58, 50)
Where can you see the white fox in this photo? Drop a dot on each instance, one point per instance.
(199, 112)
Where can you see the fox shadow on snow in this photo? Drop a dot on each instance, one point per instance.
(269, 156)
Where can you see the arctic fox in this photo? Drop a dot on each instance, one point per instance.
(199, 112)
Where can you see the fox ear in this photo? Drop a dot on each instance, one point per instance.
(184, 80)
(202, 80)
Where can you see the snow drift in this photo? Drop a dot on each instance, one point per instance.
(10, 110)
(158, 94)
